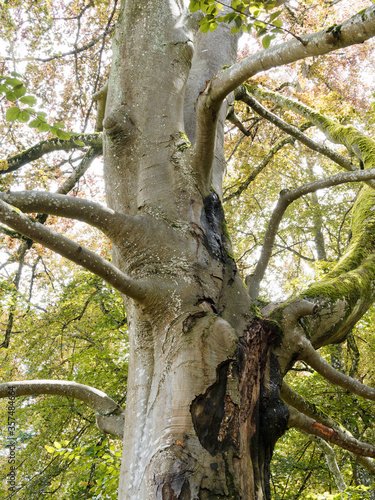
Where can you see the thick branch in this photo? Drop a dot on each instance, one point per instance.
(109, 415)
(71, 207)
(297, 134)
(71, 250)
(357, 29)
(313, 359)
(50, 145)
(294, 399)
(357, 143)
(309, 425)
(285, 199)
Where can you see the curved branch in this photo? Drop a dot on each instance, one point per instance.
(309, 425)
(292, 398)
(355, 30)
(285, 199)
(310, 356)
(71, 250)
(62, 205)
(49, 145)
(357, 143)
(109, 415)
(297, 134)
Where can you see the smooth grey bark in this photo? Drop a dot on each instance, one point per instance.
(203, 403)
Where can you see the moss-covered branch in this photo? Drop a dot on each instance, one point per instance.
(285, 199)
(348, 290)
(356, 142)
(48, 146)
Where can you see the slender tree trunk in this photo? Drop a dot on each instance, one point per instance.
(199, 394)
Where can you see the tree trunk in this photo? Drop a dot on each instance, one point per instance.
(199, 394)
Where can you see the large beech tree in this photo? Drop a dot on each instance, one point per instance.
(206, 401)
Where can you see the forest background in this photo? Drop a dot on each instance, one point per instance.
(61, 322)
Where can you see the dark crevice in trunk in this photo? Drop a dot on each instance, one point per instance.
(244, 422)
(208, 412)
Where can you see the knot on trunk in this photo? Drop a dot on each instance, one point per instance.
(119, 126)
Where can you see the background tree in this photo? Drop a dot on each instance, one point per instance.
(207, 397)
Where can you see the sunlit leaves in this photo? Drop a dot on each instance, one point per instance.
(104, 458)
(246, 16)
(14, 90)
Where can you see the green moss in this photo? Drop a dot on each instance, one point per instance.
(182, 141)
(335, 30)
(354, 140)
(225, 231)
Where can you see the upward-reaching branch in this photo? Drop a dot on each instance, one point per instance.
(355, 30)
(285, 199)
(313, 359)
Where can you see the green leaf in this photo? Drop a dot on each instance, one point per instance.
(34, 123)
(59, 125)
(205, 27)
(20, 90)
(24, 116)
(213, 26)
(14, 82)
(11, 96)
(12, 114)
(194, 5)
(274, 15)
(28, 99)
(229, 17)
(278, 23)
(17, 75)
(64, 136)
(50, 449)
(266, 40)
(235, 30)
(79, 143)
(254, 11)
(43, 127)
(238, 21)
